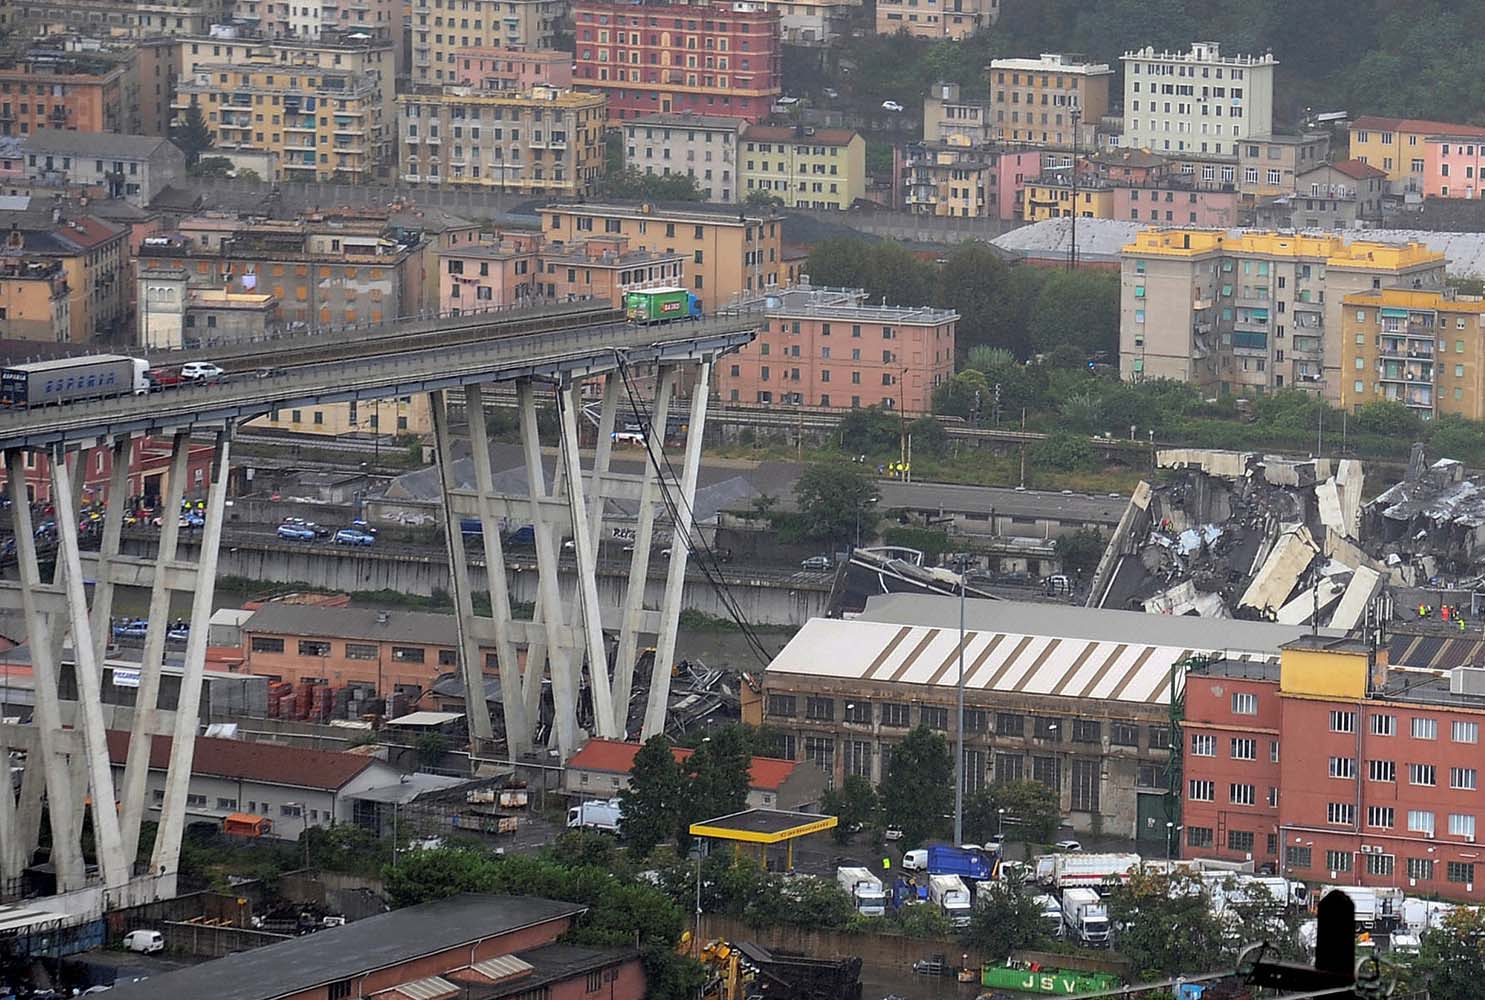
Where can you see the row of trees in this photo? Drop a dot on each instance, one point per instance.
(1024, 310)
(665, 796)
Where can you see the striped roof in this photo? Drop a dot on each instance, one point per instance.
(994, 660)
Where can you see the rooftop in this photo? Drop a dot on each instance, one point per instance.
(848, 304)
(1355, 169)
(1248, 670)
(1411, 298)
(617, 757)
(240, 760)
(698, 212)
(369, 624)
(1207, 52)
(688, 119)
(379, 942)
(763, 826)
(1056, 62)
(1074, 507)
(800, 135)
(123, 147)
(1376, 123)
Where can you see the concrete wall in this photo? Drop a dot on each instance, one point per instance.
(766, 599)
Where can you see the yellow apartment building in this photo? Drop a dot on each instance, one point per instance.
(1418, 348)
(731, 255)
(1398, 146)
(543, 140)
(1253, 313)
(804, 167)
(1052, 197)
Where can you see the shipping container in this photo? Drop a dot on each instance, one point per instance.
(661, 305)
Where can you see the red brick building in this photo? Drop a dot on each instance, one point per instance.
(1334, 769)
(720, 59)
(149, 471)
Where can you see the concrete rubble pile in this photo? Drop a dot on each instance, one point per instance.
(1240, 535)
(1429, 529)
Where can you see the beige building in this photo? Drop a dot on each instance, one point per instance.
(324, 109)
(812, 23)
(1254, 313)
(539, 141)
(437, 31)
(405, 415)
(1421, 349)
(1268, 165)
(822, 168)
(1032, 101)
(942, 19)
(1198, 101)
(172, 314)
(325, 20)
(948, 118)
(733, 254)
(131, 18)
(703, 146)
(34, 300)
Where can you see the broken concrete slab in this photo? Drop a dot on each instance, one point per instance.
(1212, 461)
(1366, 584)
(1301, 610)
(1280, 573)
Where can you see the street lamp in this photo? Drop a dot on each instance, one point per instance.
(1000, 822)
(870, 501)
(1170, 834)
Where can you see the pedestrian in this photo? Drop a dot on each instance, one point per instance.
(886, 864)
(1461, 626)
(1422, 610)
(1444, 613)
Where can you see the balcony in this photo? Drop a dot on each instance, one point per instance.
(1410, 371)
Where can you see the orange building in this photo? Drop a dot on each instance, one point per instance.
(34, 300)
(825, 347)
(62, 96)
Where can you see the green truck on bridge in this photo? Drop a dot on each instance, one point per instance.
(661, 305)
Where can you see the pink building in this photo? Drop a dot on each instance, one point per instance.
(516, 266)
(512, 69)
(1012, 171)
(1452, 166)
(1170, 202)
(478, 276)
(824, 347)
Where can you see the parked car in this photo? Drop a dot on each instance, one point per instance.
(200, 371)
(295, 533)
(310, 526)
(892, 106)
(892, 833)
(819, 563)
(132, 628)
(361, 524)
(353, 536)
(938, 965)
(1068, 845)
(179, 633)
(831, 93)
(144, 942)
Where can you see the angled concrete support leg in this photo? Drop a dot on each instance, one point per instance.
(471, 669)
(564, 686)
(639, 561)
(89, 679)
(680, 547)
(517, 722)
(51, 757)
(569, 402)
(146, 712)
(166, 857)
(113, 527)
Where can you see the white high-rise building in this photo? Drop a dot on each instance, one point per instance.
(1199, 102)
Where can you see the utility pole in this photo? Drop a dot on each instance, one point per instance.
(959, 729)
(1072, 250)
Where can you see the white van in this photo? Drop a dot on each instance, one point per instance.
(144, 942)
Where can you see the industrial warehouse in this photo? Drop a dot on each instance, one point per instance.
(1080, 699)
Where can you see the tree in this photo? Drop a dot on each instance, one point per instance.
(1064, 452)
(1080, 551)
(1004, 920)
(716, 779)
(249, 175)
(929, 436)
(1451, 958)
(1388, 418)
(191, 134)
(834, 499)
(974, 283)
(212, 166)
(966, 395)
(853, 804)
(887, 270)
(1031, 812)
(652, 803)
(762, 199)
(870, 430)
(632, 184)
(1167, 924)
(918, 790)
(1079, 309)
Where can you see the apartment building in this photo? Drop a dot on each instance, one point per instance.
(77, 94)
(322, 273)
(733, 255)
(93, 255)
(1198, 101)
(137, 19)
(812, 23)
(1331, 196)
(1269, 165)
(1033, 101)
(821, 168)
(1252, 313)
(380, 19)
(1399, 146)
(132, 167)
(34, 300)
(605, 267)
(156, 69)
(313, 124)
(438, 32)
(827, 347)
(938, 19)
(1053, 195)
(713, 59)
(950, 179)
(172, 314)
(539, 141)
(948, 118)
(1452, 165)
(705, 147)
(1335, 769)
(496, 68)
(1419, 348)
(1174, 200)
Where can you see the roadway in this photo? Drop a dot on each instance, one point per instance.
(379, 367)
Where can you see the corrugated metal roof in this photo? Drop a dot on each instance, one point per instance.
(431, 988)
(503, 967)
(994, 660)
